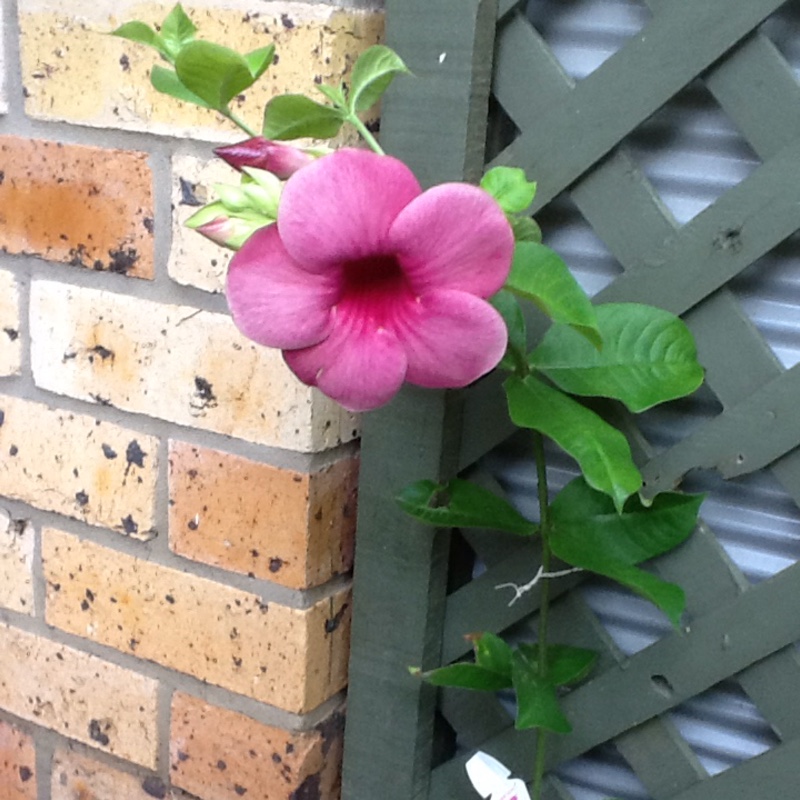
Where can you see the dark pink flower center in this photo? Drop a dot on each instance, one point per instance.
(373, 287)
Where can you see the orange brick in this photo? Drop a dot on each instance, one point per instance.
(76, 777)
(81, 205)
(17, 764)
(79, 695)
(177, 363)
(292, 658)
(78, 466)
(289, 527)
(221, 755)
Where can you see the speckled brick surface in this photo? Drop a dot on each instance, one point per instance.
(17, 764)
(78, 466)
(175, 560)
(291, 658)
(75, 776)
(64, 46)
(193, 259)
(10, 324)
(177, 363)
(17, 544)
(3, 79)
(78, 695)
(218, 754)
(293, 528)
(83, 206)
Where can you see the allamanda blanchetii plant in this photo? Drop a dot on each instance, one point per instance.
(365, 281)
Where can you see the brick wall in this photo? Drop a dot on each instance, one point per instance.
(176, 510)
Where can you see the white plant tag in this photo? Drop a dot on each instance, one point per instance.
(493, 780)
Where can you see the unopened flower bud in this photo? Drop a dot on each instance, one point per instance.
(226, 228)
(233, 198)
(282, 160)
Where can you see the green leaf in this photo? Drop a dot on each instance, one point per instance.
(537, 700)
(295, 116)
(213, 72)
(167, 82)
(333, 93)
(601, 451)
(539, 275)
(587, 533)
(465, 676)
(565, 664)
(462, 504)
(509, 309)
(141, 33)
(510, 187)
(490, 672)
(372, 73)
(648, 357)
(177, 30)
(526, 229)
(492, 653)
(259, 60)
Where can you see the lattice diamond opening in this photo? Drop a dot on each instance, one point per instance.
(753, 518)
(600, 773)
(566, 231)
(691, 152)
(769, 291)
(584, 34)
(783, 30)
(723, 727)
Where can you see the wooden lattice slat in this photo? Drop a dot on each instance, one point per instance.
(403, 569)
(572, 139)
(629, 87)
(745, 437)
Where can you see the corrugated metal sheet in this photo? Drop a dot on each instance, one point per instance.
(692, 154)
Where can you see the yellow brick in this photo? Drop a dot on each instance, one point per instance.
(177, 363)
(291, 658)
(16, 563)
(78, 695)
(77, 777)
(10, 345)
(78, 466)
(193, 259)
(64, 46)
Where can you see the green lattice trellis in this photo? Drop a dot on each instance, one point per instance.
(413, 603)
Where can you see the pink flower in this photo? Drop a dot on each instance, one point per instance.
(366, 281)
(282, 160)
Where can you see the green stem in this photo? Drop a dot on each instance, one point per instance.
(228, 114)
(366, 134)
(520, 362)
(538, 767)
(544, 599)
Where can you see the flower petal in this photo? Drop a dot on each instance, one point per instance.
(340, 207)
(359, 367)
(451, 339)
(273, 301)
(454, 236)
